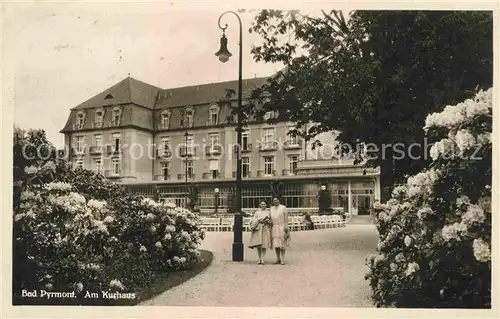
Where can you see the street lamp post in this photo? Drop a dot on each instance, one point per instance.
(216, 191)
(223, 54)
(186, 134)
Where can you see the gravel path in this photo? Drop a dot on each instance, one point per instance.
(325, 268)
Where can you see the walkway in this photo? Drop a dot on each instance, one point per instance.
(325, 268)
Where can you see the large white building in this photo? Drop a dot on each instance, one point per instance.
(163, 142)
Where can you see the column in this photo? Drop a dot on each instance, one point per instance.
(349, 197)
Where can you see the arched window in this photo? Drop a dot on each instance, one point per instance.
(109, 96)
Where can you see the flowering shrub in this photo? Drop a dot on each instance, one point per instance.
(435, 232)
(80, 232)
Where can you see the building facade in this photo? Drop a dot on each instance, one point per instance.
(166, 143)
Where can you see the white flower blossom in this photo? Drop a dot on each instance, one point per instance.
(463, 200)
(443, 147)
(31, 170)
(182, 260)
(481, 250)
(453, 232)
(484, 138)
(150, 217)
(152, 229)
(412, 268)
(158, 245)
(101, 227)
(167, 236)
(394, 267)
(108, 219)
(465, 140)
(407, 241)
(116, 283)
(79, 287)
(77, 198)
(142, 248)
(96, 204)
(473, 215)
(59, 186)
(50, 166)
(49, 286)
(424, 211)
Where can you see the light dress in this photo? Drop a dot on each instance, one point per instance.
(279, 218)
(261, 233)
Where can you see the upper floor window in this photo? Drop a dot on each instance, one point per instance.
(79, 144)
(292, 139)
(189, 118)
(79, 163)
(165, 120)
(116, 141)
(99, 115)
(98, 140)
(214, 139)
(269, 135)
(245, 136)
(214, 115)
(117, 114)
(165, 143)
(80, 119)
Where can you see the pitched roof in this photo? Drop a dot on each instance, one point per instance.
(128, 90)
(204, 93)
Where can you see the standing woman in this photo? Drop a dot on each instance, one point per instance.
(280, 232)
(260, 237)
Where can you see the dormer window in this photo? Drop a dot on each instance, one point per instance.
(109, 96)
(268, 115)
(213, 115)
(99, 115)
(189, 118)
(80, 119)
(116, 118)
(165, 120)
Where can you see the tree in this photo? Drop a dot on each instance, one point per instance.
(374, 77)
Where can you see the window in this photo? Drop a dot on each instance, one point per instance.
(80, 118)
(190, 144)
(214, 116)
(245, 166)
(98, 140)
(165, 167)
(189, 168)
(292, 139)
(79, 144)
(98, 118)
(97, 165)
(165, 120)
(115, 166)
(268, 135)
(79, 163)
(214, 168)
(268, 115)
(165, 143)
(116, 117)
(116, 141)
(189, 118)
(245, 135)
(269, 165)
(214, 140)
(109, 96)
(292, 163)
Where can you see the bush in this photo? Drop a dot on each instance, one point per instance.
(74, 230)
(435, 231)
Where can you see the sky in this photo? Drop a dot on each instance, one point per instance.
(62, 54)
